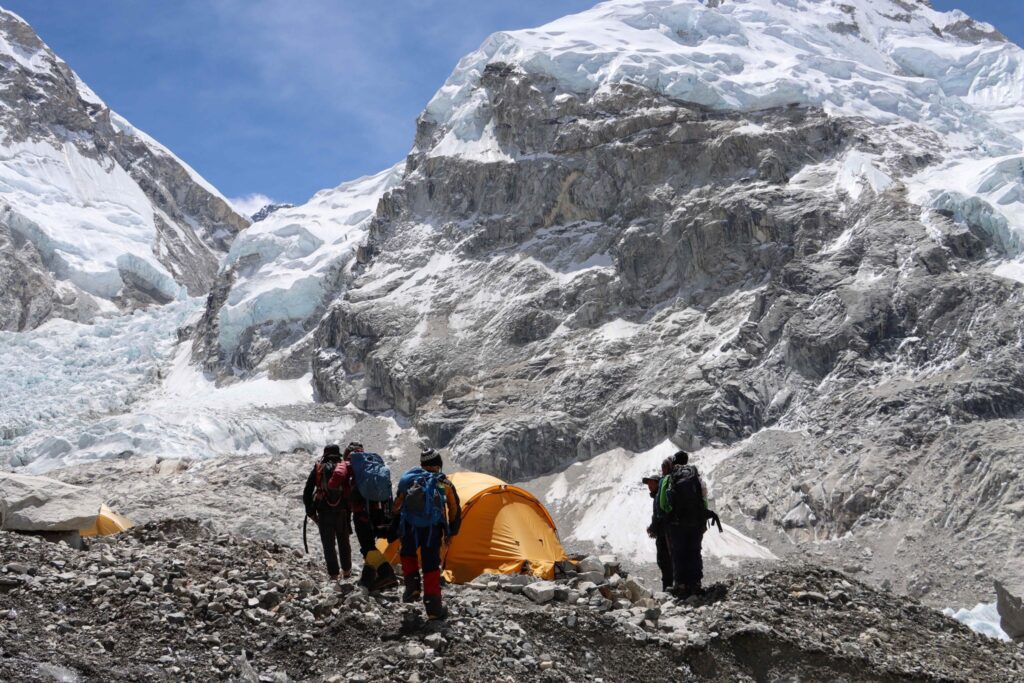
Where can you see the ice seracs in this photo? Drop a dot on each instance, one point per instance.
(284, 267)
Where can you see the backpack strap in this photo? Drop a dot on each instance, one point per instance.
(664, 494)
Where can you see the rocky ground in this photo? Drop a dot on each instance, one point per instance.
(174, 600)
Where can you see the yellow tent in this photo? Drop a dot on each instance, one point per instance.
(505, 530)
(107, 522)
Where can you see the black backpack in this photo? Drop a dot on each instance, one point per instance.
(687, 496)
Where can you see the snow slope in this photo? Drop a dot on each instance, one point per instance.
(892, 62)
(285, 263)
(89, 221)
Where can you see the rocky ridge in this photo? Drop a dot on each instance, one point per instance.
(175, 601)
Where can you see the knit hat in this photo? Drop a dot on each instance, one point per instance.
(430, 458)
(332, 451)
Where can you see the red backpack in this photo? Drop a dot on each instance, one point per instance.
(333, 481)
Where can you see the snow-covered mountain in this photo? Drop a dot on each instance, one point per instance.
(785, 234)
(93, 212)
(788, 229)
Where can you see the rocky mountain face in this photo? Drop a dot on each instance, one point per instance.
(93, 212)
(787, 226)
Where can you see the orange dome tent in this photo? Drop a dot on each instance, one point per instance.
(505, 530)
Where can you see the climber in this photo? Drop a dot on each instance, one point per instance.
(370, 513)
(427, 513)
(658, 529)
(683, 498)
(360, 513)
(326, 500)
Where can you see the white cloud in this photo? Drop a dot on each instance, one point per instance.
(251, 203)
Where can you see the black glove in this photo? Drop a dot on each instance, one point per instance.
(311, 513)
(453, 528)
(715, 521)
(393, 531)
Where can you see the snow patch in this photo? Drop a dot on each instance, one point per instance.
(586, 492)
(859, 171)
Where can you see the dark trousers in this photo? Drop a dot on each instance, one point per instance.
(335, 527)
(365, 533)
(684, 544)
(664, 558)
(427, 541)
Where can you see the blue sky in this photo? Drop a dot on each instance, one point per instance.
(286, 97)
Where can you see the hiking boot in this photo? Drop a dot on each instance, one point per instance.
(368, 577)
(347, 574)
(413, 588)
(435, 608)
(681, 591)
(385, 577)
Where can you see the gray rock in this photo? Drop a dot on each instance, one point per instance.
(1011, 612)
(591, 577)
(540, 592)
(31, 503)
(591, 563)
(636, 590)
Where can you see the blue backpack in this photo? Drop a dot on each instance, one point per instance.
(425, 501)
(372, 476)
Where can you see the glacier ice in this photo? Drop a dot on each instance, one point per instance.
(284, 263)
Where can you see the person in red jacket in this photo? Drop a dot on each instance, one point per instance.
(326, 497)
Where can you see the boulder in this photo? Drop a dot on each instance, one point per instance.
(1011, 613)
(594, 577)
(611, 564)
(29, 503)
(637, 591)
(590, 564)
(541, 592)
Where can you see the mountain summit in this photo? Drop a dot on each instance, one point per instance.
(93, 211)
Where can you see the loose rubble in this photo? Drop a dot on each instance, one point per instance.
(174, 600)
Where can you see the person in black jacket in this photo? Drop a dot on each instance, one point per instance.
(329, 508)
(687, 521)
(658, 529)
